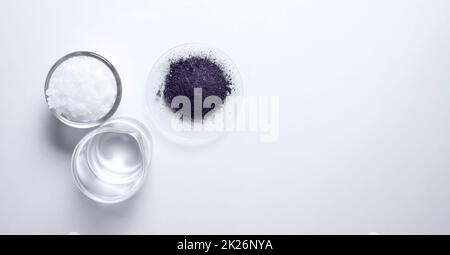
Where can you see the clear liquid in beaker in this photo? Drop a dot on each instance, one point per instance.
(109, 164)
(115, 157)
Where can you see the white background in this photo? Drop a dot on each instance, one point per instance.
(364, 141)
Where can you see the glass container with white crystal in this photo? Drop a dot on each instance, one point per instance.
(83, 89)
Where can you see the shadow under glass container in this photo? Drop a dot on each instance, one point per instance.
(111, 162)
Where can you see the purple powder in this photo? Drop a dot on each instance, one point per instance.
(185, 74)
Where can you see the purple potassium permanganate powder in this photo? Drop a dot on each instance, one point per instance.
(188, 73)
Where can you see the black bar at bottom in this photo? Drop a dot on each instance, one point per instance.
(226, 244)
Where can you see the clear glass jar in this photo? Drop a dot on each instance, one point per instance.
(110, 163)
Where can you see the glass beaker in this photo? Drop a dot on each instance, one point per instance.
(111, 162)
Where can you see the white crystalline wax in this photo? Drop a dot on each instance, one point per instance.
(82, 89)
